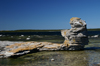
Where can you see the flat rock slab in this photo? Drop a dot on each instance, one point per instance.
(26, 47)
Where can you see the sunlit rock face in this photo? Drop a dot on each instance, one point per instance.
(76, 37)
(22, 48)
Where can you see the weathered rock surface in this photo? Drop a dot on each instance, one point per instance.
(26, 47)
(75, 38)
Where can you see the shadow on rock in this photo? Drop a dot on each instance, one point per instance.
(31, 51)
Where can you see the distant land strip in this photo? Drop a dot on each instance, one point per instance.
(98, 29)
(30, 30)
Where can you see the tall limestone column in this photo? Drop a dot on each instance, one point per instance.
(76, 37)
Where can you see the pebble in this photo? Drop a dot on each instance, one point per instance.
(22, 35)
(27, 38)
(52, 59)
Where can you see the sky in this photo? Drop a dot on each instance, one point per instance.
(47, 14)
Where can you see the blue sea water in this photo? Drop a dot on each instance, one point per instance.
(43, 33)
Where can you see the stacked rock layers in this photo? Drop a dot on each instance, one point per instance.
(76, 37)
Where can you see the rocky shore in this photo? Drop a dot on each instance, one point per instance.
(7, 43)
(75, 39)
(3, 44)
(9, 48)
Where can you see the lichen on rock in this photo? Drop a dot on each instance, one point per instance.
(77, 36)
(75, 39)
(27, 47)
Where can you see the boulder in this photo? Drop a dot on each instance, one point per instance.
(76, 37)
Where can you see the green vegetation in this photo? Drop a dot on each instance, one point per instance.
(29, 30)
(97, 29)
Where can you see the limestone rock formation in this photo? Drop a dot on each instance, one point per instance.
(27, 47)
(76, 37)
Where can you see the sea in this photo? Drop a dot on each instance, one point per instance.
(88, 57)
(44, 33)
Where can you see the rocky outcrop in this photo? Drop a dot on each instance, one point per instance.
(76, 37)
(27, 47)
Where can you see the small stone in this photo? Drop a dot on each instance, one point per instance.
(22, 35)
(52, 59)
(27, 38)
(0, 35)
(84, 58)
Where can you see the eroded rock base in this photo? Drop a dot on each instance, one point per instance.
(27, 47)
